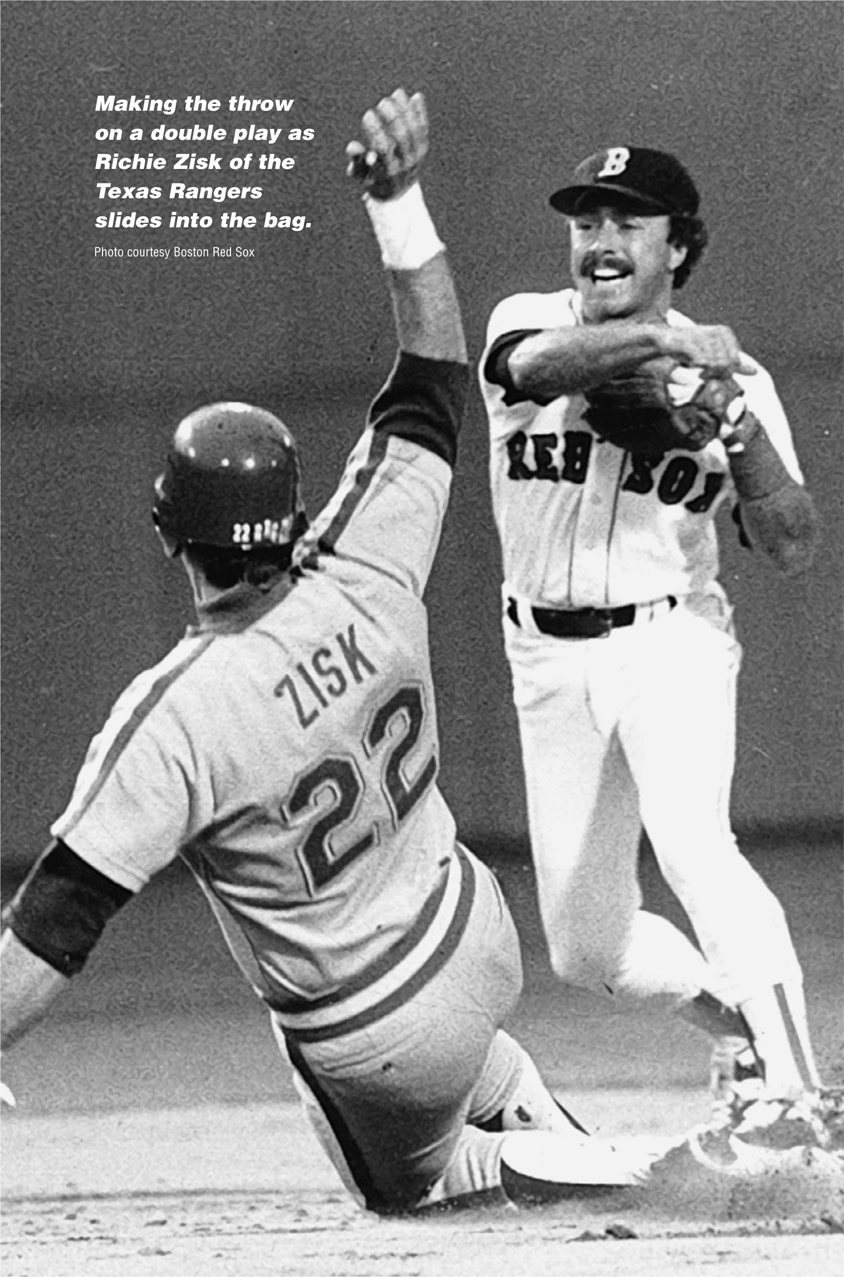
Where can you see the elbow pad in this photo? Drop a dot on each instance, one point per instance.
(62, 908)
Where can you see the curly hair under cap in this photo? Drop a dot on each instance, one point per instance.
(689, 232)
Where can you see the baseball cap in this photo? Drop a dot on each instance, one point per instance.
(653, 179)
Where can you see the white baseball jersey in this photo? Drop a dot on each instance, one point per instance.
(287, 747)
(584, 523)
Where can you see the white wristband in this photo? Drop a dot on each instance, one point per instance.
(406, 235)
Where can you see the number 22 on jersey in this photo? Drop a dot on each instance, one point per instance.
(331, 841)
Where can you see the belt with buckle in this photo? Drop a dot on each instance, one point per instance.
(586, 622)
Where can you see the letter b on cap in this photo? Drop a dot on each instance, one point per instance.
(616, 162)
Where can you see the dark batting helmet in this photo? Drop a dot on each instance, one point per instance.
(231, 480)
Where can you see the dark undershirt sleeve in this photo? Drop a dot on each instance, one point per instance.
(423, 400)
(62, 908)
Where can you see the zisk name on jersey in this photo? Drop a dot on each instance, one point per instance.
(308, 692)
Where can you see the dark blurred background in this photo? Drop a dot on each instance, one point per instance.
(101, 357)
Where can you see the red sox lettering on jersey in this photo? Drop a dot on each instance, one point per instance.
(583, 523)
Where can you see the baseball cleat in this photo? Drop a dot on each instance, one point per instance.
(539, 1166)
(816, 1120)
(781, 1124)
(745, 1111)
(692, 1170)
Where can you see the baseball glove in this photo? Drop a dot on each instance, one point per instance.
(652, 412)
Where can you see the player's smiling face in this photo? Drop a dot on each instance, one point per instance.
(622, 262)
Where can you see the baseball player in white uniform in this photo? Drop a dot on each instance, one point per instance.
(287, 750)
(620, 639)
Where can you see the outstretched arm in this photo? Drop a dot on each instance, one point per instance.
(562, 361)
(389, 507)
(386, 163)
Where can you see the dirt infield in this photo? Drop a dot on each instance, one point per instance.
(316, 1235)
(244, 1191)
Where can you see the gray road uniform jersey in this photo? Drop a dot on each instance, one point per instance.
(287, 750)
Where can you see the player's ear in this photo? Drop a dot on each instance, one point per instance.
(677, 254)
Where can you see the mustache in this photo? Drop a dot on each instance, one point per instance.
(591, 261)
